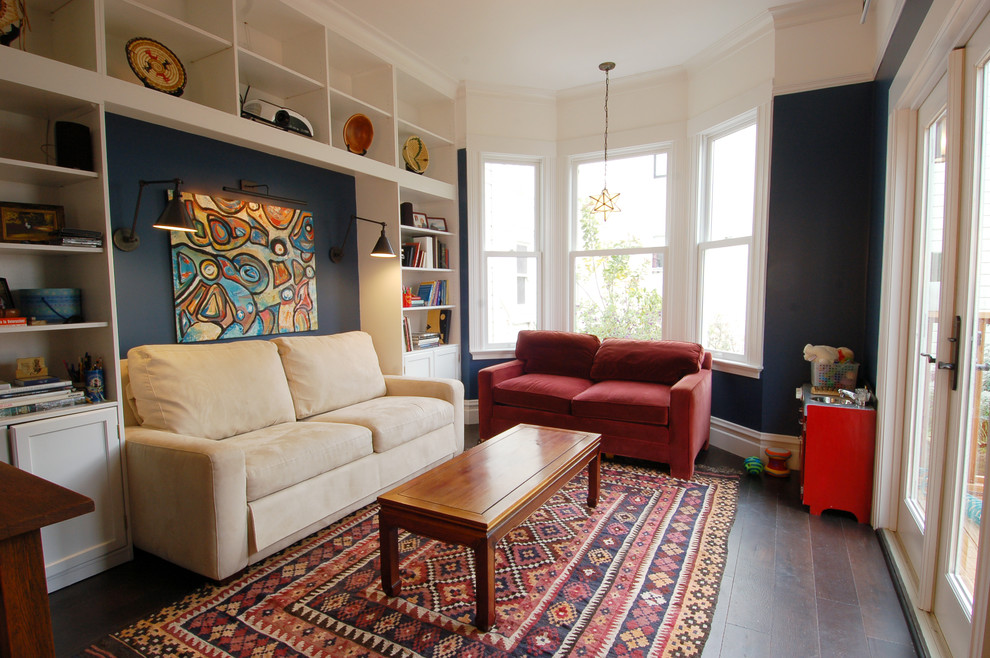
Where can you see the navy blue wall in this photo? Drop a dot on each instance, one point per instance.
(143, 278)
(818, 239)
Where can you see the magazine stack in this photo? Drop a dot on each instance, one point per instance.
(16, 399)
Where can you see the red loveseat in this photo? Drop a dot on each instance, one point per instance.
(648, 399)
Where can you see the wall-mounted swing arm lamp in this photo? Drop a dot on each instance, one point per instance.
(173, 218)
(383, 248)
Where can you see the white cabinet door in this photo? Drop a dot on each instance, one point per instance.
(80, 452)
(418, 364)
(447, 362)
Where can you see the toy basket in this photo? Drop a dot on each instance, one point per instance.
(830, 377)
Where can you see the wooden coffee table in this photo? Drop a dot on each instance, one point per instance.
(478, 496)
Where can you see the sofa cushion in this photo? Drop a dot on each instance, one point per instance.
(636, 402)
(561, 353)
(211, 391)
(283, 455)
(330, 372)
(661, 361)
(551, 393)
(394, 419)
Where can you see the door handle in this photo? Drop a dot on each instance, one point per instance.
(953, 364)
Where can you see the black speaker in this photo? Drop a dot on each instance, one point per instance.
(73, 147)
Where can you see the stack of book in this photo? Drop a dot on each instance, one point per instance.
(31, 397)
(78, 237)
(424, 339)
(13, 321)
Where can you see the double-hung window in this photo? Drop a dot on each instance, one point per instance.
(617, 264)
(510, 249)
(730, 252)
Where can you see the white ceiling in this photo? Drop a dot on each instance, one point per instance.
(554, 44)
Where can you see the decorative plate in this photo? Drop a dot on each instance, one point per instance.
(156, 66)
(416, 156)
(358, 133)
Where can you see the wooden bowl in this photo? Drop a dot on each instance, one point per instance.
(358, 133)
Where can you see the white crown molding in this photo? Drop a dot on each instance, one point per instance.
(729, 45)
(812, 11)
(528, 94)
(814, 85)
(620, 84)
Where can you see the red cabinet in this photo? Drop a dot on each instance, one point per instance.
(837, 446)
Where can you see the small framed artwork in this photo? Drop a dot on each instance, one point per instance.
(6, 300)
(25, 222)
(436, 223)
(419, 220)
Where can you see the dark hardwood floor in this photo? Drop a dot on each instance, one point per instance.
(795, 585)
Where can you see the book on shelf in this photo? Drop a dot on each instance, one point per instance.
(5, 322)
(22, 391)
(39, 381)
(36, 407)
(433, 292)
(406, 334)
(22, 400)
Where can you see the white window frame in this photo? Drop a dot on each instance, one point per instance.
(481, 348)
(750, 363)
(572, 229)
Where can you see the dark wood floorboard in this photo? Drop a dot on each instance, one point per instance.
(794, 584)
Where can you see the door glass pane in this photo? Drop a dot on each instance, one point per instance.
(928, 326)
(619, 295)
(725, 275)
(966, 529)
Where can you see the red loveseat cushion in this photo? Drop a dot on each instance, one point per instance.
(557, 352)
(635, 402)
(660, 361)
(544, 392)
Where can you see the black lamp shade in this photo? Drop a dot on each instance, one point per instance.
(383, 248)
(175, 217)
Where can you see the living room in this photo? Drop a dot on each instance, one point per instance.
(812, 71)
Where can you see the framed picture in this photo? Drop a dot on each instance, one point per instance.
(436, 223)
(24, 222)
(419, 220)
(6, 300)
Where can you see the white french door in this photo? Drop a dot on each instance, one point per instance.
(946, 405)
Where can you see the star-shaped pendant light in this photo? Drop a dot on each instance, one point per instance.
(605, 202)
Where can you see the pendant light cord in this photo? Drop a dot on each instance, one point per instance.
(605, 170)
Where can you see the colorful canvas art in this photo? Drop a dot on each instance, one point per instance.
(248, 270)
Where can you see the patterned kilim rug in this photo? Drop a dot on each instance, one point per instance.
(636, 576)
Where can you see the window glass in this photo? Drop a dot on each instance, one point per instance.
(617, 264)
(510, 257)
(724, 293)
(510, 206)
(733, 184)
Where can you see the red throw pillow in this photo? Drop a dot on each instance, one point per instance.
(661, 361)
(557, 352)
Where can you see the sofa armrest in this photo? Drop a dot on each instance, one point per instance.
(451, 390)
(488, 379)
(690, 421)
(188, 500)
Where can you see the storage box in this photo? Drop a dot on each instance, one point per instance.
(830, 377)
(53, 305)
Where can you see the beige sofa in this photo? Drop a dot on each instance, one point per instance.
(236, 450)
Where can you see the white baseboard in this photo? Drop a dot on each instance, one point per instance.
(746, 442)
(728, 436)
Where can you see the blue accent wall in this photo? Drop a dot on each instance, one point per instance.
(818, 239)
(143, 278)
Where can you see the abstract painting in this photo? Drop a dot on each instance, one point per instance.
(248, 270)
